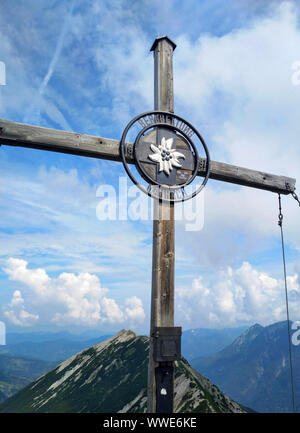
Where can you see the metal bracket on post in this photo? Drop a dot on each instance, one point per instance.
(167, 343)
(166, 350)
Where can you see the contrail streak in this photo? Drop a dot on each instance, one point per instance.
(51, 68)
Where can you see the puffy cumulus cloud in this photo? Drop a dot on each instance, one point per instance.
(134, 309)
(243, 295)
(17, 314)
(37, 279)
(111, 309)
(66, 300)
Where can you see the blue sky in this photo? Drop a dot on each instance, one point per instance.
(86, 67)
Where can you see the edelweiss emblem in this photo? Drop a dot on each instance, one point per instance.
(166, 156)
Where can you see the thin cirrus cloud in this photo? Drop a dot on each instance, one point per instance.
(34, 109)
(53, 208)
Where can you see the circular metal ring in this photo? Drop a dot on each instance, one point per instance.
(164, 188)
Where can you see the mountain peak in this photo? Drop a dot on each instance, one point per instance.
(254, 369)
(125, 335)
(248, 335)
(121, 337)
(111, 377)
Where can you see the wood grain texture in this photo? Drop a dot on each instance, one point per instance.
(163, 256)
(251, 178)
(35, 137)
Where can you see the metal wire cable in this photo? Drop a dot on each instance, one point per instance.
(280, 220)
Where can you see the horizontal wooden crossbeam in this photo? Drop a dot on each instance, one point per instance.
(36, 137)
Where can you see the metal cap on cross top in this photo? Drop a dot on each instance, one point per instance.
(160, 38)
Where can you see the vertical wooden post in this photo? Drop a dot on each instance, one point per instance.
(162, 298)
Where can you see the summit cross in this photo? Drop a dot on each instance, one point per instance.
(167, 158)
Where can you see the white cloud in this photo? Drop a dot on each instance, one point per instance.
(68, 299)
(134, 310)
(17, 314)
(37, 279)
(243, 295)
(241, 83)
(112, 310)
(239, 224)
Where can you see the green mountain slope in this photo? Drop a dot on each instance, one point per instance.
(112, 377)
(17, 372)
(254, 369)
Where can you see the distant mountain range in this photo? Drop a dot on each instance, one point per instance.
(17, 372)
(205, 342)
(56, 347)
(112, 377)
(254, 369)
(51, 350)
(42, 337)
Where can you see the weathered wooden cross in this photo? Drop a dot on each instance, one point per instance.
(161, 370)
